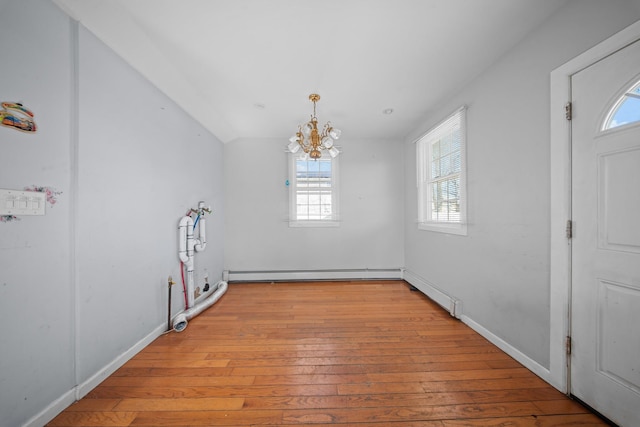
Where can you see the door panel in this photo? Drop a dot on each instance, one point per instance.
(617, 304)
(605, 296)
(618, 211)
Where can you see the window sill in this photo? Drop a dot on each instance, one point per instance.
(444, 227)
(314, 224)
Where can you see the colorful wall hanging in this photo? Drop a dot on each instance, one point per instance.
(16, 116)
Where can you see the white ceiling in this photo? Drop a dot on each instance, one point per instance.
(245, 68)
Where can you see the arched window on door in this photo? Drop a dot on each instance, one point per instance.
(625, 110)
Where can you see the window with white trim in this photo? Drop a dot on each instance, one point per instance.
(313, 191)
(441, 170)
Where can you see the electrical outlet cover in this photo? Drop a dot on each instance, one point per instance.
(17, 202)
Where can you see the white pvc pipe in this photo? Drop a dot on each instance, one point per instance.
(201, 241)
(185, 252)
(181, 320)
(185, 238)
(188, 245)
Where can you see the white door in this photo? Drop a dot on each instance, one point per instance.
(605, 295)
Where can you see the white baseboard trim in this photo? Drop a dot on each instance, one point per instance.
(81, 390)
(449, 303)
(301, 275)
(91, 383)
(51, 411)
(454, 306)
(522, 358)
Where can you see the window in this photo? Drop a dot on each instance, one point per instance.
(313, 195)
(626, 110)
(441, 169)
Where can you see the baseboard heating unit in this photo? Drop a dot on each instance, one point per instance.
(311, 275)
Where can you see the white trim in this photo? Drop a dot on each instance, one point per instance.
(453, 113)
(297, 275)
(453, 306)
(81, 390)
(91, 383)
(313, 223)
(560, 198)
(51, 411)
(520, 357)
(444, 227)
(449, 303)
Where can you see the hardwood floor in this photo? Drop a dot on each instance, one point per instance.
(329, 353)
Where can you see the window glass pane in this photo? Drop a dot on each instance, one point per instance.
(435, 168)
(456, 161)
(445, 200)
(455, 140)
(325, 167)
(314, 198)
(302, 198)
(443, 186)
(435, 150)
(313, 167)
(445, 165)
(301, 167)
(314, 211)
(437, 200)
(445, 145)
(626, 110)
(453, 189)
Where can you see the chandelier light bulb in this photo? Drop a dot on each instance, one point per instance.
(335, 133)
(307, 128)
(294, 146)
(327, 142)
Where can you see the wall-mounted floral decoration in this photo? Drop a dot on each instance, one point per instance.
(9, 218)
(51, 193)
(16, 116)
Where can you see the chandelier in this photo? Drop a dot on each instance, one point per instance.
(313, 141)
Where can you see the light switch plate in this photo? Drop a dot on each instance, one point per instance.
(17, 202)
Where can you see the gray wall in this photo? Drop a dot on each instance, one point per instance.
(500, 270)
(82, 285)
(142, 163)
(259, 236)
(36, 294)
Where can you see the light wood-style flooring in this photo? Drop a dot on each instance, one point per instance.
(326, 353)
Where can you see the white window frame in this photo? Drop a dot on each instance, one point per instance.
(293, 191)
(424, 182)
